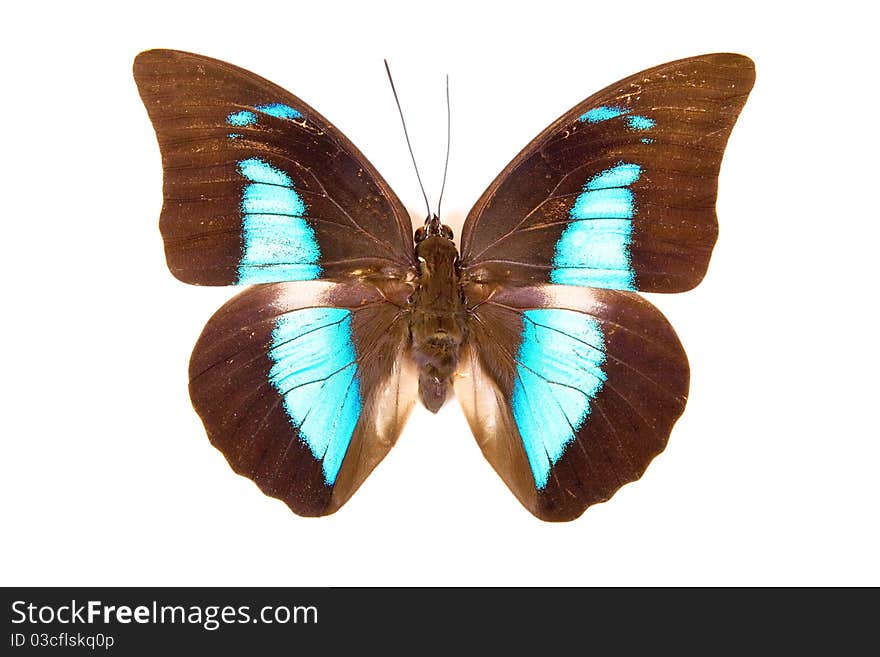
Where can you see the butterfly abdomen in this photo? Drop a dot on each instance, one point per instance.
(437, 326)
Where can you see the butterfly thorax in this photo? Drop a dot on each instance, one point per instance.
(437, 325)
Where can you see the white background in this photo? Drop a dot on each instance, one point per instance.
(770, 476)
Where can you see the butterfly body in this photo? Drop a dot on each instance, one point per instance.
(570, 381)
(438, 323)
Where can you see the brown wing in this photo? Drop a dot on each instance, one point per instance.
(570, 392)
(304, 387)
(259, 187)
(619, 192)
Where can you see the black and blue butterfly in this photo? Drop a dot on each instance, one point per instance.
(570, 381)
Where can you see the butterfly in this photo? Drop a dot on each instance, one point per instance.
(570, 381)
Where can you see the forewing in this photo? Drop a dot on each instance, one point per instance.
(570, 393)
(259, 187)
(619, 192)
(305, 387)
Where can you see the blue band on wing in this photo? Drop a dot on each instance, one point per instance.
(593, 250)
(559, 373)
(279, 245)
(315, 371)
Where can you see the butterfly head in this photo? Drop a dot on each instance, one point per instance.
(431, 228)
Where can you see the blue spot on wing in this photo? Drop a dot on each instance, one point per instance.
(244, 118)
(280, 110)
(315, 371)
(603, 113)
(607, 112)
(279, 245)
(640, 122)
(559, 373)
(594, 249)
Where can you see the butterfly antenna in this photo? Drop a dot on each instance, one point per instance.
(406, 134)
(448, 142)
